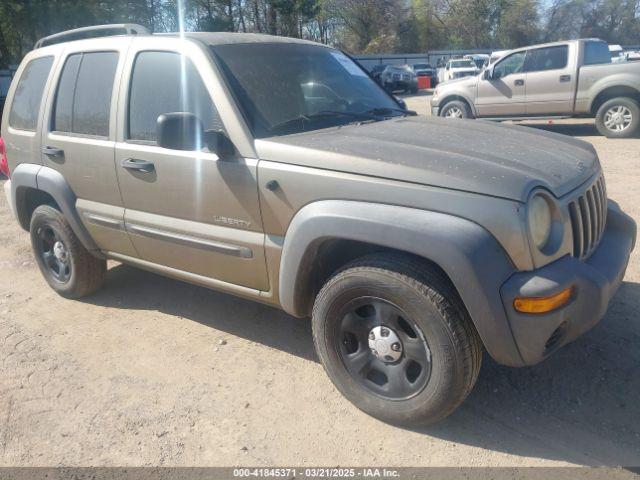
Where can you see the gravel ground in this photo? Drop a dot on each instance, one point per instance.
(152, 371)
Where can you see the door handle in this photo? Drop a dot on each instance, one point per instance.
(53, 152)
(138, 165)
(565, 78)
(519, 82)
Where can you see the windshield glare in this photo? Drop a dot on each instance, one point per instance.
(279, 83)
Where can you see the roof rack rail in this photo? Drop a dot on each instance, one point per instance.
(93, 32)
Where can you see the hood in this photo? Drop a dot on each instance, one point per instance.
(459, 81)
(470, 155)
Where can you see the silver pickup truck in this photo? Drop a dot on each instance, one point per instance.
(556, 80)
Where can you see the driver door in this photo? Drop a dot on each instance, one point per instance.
(504, 94)
(190, 211)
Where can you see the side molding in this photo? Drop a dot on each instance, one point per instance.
(48, 180)
(473, 259)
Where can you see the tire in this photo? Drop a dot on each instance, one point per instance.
(66, 265)
(352, 302)
(607, 118)
(456, 109)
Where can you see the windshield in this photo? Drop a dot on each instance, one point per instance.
(421, 66)
(290, 88)
(463, 64)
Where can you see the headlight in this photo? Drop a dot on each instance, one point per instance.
(539, 220)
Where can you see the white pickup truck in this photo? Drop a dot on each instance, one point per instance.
(556, 80)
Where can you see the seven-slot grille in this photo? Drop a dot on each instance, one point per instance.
(588, 218)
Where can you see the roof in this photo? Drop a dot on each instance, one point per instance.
(120, 29)
(225, 38)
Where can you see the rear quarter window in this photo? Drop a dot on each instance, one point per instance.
(596, 53)
(28, 95)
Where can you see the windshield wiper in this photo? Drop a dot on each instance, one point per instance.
(387, 110)
(323, 114)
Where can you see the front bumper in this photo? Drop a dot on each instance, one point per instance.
(595, 281)
(401, 85)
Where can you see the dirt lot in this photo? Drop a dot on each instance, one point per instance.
(151, 371)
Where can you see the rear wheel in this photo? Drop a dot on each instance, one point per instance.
(618, 118)
(66, 265)
(396, 340)
(455, 109)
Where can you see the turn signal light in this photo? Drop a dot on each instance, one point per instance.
(543, 304)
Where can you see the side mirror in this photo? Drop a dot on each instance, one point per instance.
(220, 144)
(179, 131)
(488, 74)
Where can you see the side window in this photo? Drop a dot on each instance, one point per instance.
(596, 53)
(28, 95)
(511, 64)
(165, 82)
(552, 58)
(83, 100)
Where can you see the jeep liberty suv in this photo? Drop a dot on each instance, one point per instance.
(276, 169)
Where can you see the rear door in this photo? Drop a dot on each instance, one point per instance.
(190, 210)
(551, 79)
(503, 95)
(78, 135)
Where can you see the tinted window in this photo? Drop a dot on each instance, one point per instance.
(552, 58)
(83, 101)
(511, 64)
(28, 96)
(158, 86)
(596, 53)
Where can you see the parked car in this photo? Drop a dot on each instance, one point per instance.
(458, 69)
(497, 55)
(377, 70)
(617, 53)
(480, 59)
(388, 229)
(395, 78)
(633, 56)
(426, 70)
(555, 80)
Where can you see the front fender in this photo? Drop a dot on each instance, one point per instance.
(31, 176)
(474, 261)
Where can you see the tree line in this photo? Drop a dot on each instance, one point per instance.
(358, 26)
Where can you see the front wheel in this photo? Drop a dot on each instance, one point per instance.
(455, 109)
(618, 118)
(396, 340)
